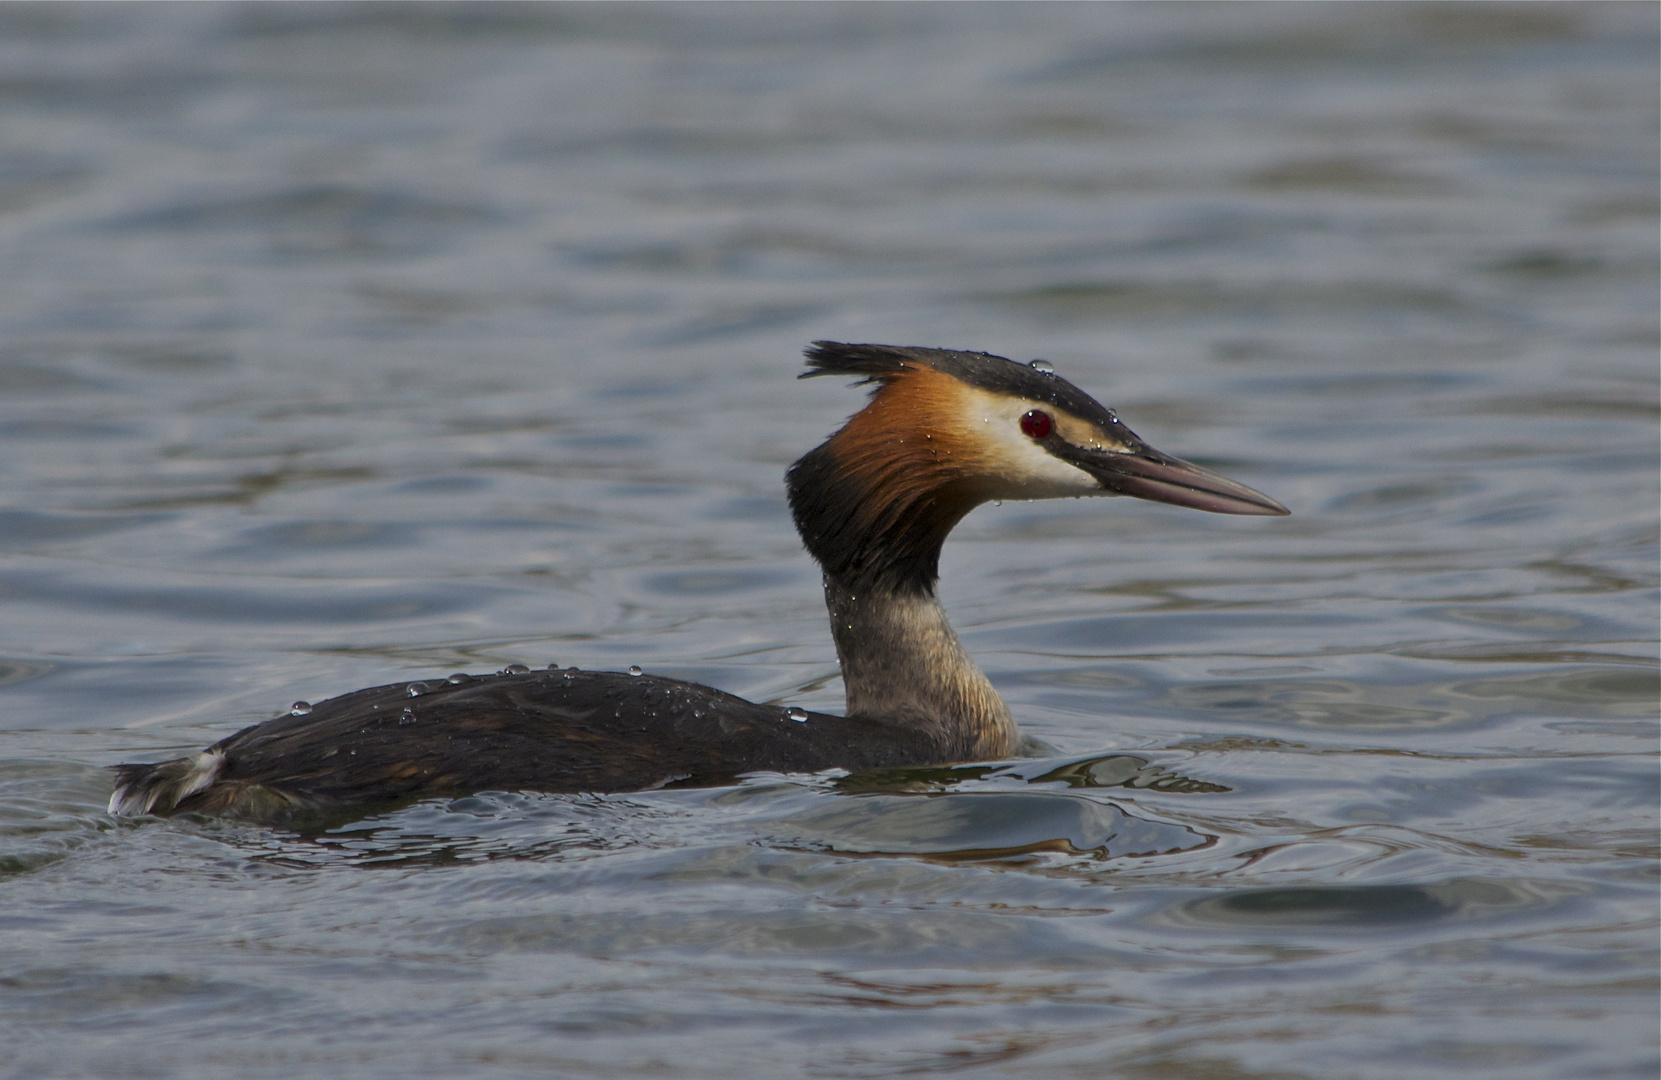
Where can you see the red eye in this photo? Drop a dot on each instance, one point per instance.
(1037, 424)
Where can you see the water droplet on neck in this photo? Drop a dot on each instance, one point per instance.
(634, 669)
(416, 689)
(796, 714)
(1042, 365)
(299, 708)
(514, 669)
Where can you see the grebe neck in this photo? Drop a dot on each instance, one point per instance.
(902, 664)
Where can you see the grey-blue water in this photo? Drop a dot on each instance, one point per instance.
(345, 345)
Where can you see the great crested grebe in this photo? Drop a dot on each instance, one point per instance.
(943, 432)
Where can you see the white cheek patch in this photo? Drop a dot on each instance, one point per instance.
(1016, 466)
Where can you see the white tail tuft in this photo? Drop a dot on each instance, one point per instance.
(141, 789)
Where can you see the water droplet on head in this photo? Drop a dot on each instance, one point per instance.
(634, 669)
(798, 715)
(1041, 365)
(458, 678)
(416, 689)
(299, 708)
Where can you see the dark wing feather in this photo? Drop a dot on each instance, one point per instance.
(542, 731)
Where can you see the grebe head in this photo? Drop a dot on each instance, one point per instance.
(945, 431)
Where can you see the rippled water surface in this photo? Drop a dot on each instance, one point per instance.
(345, 345)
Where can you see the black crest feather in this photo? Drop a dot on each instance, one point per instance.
(999, 374)
(872, 363)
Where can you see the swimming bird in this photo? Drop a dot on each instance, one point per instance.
(943, 432)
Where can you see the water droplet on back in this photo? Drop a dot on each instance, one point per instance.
(416, 689)
(1042, 365)
(406, 718)
(553, 667)
(798, 715)
(458, 678)
(514, 669)
(634, 669)
(299, 708)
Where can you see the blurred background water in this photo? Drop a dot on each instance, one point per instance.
(345, 344)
